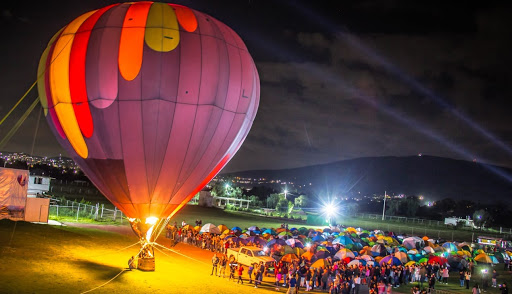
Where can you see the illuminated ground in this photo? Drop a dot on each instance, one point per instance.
(46, 259)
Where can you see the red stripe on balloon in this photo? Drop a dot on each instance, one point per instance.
(51, 109)
(208, 178)
(77, 83)
(186, 17)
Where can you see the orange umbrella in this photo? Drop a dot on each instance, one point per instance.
(320, 263)
(289, 257)
(308, 255)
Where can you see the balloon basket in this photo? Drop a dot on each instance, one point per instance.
(146, 264)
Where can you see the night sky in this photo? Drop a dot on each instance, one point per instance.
(338, 80)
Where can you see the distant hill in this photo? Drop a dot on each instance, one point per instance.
(433, 177)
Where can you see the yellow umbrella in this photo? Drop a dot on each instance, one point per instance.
(225, 232)
(378, 258)
(188, 227)
(298, 251)
(412, 262)
(482, 257)
(222, 228)
(351, 230)
(320, 263)
(198, 228)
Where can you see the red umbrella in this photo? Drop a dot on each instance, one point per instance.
(437, 259)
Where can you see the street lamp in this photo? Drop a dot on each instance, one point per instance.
(285, 192)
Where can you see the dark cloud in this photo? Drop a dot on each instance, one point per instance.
(338, 80)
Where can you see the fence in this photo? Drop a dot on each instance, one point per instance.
(81, 210)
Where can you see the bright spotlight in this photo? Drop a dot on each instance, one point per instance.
(226, 186)
(308, 244)
(330, 210)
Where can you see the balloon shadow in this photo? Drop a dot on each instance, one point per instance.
(99, 270)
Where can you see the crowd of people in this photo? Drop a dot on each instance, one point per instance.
(334, 276)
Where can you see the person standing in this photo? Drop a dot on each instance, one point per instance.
(467, 278)
(249, 272)
(291, 285)
(240, 272)
(445, 275)
(232, 268)
(357, 284)
(215, 262)
(461, 278)
(494, 278)
(432, 281)
(223, 263)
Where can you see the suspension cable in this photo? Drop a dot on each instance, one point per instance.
(19, 101)
(15, 128)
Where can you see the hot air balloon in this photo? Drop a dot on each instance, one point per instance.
(151, 100)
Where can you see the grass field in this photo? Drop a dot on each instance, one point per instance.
(414, 229)
(57, 259)
(64, 259)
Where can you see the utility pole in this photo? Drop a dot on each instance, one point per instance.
(384, 206)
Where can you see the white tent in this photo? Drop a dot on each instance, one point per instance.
(13, 193)
(210, 228)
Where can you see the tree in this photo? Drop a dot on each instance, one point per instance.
(262, 192)
(302, 201)
(481, 218)
(255, 201)
(409, 205)
(282, 205)
(290, 206)
(226, 189)
(273, 199)
(393, 207)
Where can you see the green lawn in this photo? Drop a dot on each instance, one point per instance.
(64, 259)
(190, 213)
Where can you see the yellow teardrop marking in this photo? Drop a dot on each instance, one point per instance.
(162, 32)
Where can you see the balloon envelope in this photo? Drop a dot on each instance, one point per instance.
(150, 99)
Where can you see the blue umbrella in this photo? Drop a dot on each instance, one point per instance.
(236, 229)
(318, 238)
